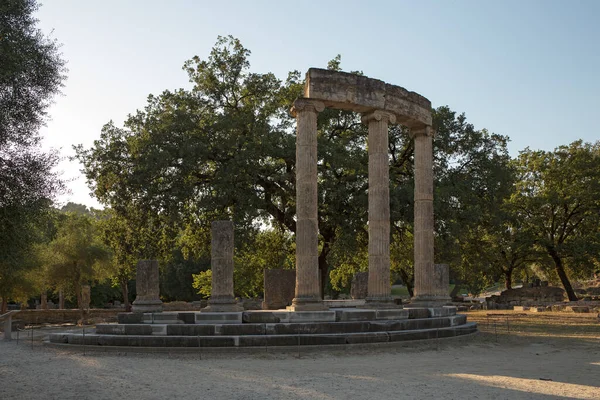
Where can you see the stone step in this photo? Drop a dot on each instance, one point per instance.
(280, 328)
(260, 340)
(284, 316)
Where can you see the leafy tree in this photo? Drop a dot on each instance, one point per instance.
(558, 199)
(203, 283)
(116, 233)
(31, 73)
(226, 149)
(75, 257)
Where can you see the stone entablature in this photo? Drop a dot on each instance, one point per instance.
(361, 94)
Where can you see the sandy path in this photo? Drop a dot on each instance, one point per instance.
(478, 368)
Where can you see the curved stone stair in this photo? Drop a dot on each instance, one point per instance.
(273, 328)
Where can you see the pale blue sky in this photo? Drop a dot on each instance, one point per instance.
(527, 69)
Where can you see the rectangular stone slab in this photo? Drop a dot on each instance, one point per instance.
(219, 318)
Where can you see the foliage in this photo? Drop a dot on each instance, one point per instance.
(203, 282)
(177, 276)
(31, 73)
(558, 199)
(267, 249)
(75, 257)
(226, 149)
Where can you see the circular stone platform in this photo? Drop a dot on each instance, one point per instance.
(272, 328)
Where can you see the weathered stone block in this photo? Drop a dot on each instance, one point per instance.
(362, 94)
(280, 286)
(130, 318)
(392, 314)
(370, 337)
(147, 287)
(130, 329)
(417, 313)
(359, 286)
(190, 330)
(355, 315)
(219, 318)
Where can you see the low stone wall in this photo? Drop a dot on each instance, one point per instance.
(526, 297)
(64, 316)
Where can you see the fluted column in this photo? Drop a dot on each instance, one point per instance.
(379, 287)
(426, 289)
(307, 296)
(221, 245)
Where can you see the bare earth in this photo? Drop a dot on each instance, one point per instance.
(475, 367)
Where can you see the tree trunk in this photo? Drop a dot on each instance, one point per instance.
(77, 286)
(560, 270)
(4, 305)
(125, 292)
(508, 277)
(323, 268)
(61, 299)
(407, 282)
(456, 289)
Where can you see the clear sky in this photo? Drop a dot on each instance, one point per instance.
(526, 69)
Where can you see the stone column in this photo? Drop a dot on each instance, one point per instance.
(307, 296)
(44, 301)
(147, 298)
(442, 280)
(425, 290)
(379, 287)
(61, 299)
(221, 245)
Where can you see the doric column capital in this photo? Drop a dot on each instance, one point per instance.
(423, 131)
(378, 115)
(303, 104)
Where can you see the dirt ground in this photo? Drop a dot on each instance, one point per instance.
(519, 359)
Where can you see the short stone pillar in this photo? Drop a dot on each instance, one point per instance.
(360, 286)
(221, 298)
(44, 301)
(8, 324)
(61, 299)
(441, 276)
(86, 297)
(379, 286)
(147, 297)
(426, 289)
(308, 289)
(279, 287)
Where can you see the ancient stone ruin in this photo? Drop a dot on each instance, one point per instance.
(308, 321)
(380, 104)
(147, 288)
(221, 246)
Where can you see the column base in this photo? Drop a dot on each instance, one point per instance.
(428, 301)
(223, 305)
(146, 306)
(307, 304)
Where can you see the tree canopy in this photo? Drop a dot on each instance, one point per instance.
(226, 149)
(558, 199)
(31, 74)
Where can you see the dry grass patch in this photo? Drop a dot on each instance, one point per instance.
(544, 324)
